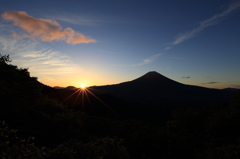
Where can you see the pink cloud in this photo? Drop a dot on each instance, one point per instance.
(44, 29)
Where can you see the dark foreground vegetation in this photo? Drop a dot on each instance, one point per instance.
(34, 126)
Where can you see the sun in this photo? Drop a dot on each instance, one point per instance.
(83, 86)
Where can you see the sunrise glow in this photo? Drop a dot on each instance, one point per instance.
(83, 86)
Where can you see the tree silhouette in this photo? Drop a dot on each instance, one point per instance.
(5, 59)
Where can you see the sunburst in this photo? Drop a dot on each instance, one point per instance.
(83, 86)
(83, 93)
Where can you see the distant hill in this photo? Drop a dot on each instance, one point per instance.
(71, 88)
(230, 89)
(57, 87)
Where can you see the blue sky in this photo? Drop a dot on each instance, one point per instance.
(106, 42)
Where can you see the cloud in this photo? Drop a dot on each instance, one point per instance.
(206, 23)
(149, 60)
(43, 63)
(210, 83)
(186, 77)
(43, 29)
(83, 19)
(77, 19)
(167, 48)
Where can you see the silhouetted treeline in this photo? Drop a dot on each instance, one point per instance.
(34, 126)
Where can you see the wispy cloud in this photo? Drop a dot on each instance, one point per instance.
(43, 63)
(210, 83)
(149, 60)
(77, 19)
(167, 48)
(43, 29)
(186, 77)
(84, 19)
(206, 23)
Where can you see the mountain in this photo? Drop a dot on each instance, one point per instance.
(57, 87)
(156, 85)
(71, 88)
(153, 77)
(150, 83)
(231, 89)
(156, 91)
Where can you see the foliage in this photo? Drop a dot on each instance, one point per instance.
(11, 146)
(106, 148)
(206, 132)
(4, 59)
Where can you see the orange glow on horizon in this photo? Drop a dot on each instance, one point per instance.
(79, 77)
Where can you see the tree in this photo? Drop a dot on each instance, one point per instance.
(5, 59)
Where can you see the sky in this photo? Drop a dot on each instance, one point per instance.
(70, 43)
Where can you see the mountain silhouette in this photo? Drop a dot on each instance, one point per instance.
(57, 87)
(150, 82)
(154, 77)
(156, 86)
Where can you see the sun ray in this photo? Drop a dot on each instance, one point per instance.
(71, 95)
(83, 100)
(84, 92)
(88, 99)
(77, 96)
(90, 88)
(102, 102)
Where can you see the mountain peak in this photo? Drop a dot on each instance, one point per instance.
(152, 73)
(152, 76)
